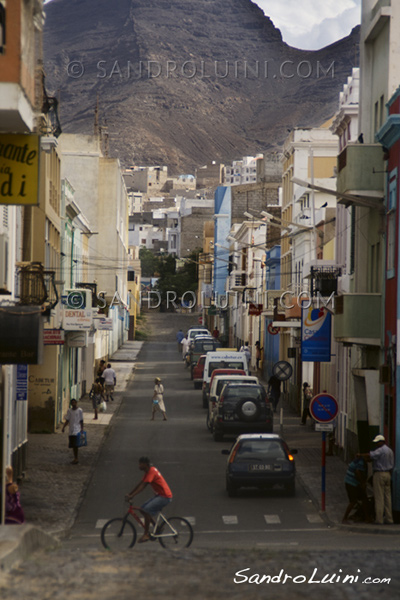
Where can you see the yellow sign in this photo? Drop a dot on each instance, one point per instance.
(19, 168)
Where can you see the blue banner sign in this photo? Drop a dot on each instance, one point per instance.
(316, 327)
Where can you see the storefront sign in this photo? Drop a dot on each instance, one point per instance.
(105, 323)
(255, 310)
(21, 335)
(22, 383)
(53, 337)
(77, 339)
(316, 334)
(77, 320)
(19, 169)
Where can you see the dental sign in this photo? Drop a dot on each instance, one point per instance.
(316, 326)
(19, 169)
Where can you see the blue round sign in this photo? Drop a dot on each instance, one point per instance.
(324, 408)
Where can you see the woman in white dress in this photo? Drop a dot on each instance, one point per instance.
(158, 399)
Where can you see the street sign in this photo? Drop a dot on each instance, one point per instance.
(324, 408)
(272, 330)
(323, 426)
(282, 370)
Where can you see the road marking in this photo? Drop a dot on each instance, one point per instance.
(100, 523)
(314, 519)
(192, 520)
(264, 545)
(272, 519)
(230, 519)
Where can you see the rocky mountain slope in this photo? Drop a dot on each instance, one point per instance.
(182, 82)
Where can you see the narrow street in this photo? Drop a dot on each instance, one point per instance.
(263, 533)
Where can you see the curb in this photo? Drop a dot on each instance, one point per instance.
(19, 541)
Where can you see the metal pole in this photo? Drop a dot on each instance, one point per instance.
(323, 461)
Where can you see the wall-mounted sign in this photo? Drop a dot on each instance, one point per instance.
(21, 335)
(255, 310)
(105, 324)
(53, 337)
(316, 334)
(77, 339)
(19, 169)
(77, 310)
(22, 383)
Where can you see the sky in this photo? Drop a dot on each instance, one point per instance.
(312, 24)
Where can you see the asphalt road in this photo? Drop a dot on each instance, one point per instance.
(192, 463)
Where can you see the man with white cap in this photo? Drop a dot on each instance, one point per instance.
(382, 465)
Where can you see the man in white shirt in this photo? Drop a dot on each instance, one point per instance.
(74, 419)
(185, 346)
(110, 380)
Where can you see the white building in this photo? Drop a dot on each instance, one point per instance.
(242, 171)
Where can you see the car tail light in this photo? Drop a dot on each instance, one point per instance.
(233, 454)
(290, 457)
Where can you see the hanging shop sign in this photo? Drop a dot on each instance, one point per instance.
(21, 335)
(255, 310)
(19, 169)
(316, 327)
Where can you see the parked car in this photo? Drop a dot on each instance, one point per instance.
(242, 408)
(202, 345)
(221, 359)
(191, 334)
(216, 387)
(260, 460)
(197, 372)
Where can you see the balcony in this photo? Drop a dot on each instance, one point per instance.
(358, 319)
(361, 173)
(237, 281)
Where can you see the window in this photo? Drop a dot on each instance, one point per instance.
(131, 275)
(391, 227)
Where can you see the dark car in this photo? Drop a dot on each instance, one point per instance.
(201, 345)
(260, 460)
(242, 408)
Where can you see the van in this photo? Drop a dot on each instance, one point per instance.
(221, 360)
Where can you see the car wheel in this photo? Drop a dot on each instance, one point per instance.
(248, 410)
(217, 435)
(291, 488)
(231, 489)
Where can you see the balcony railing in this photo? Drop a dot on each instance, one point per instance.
(361, 171)
(358, 318)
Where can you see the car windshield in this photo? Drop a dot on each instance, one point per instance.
(224, 364)
(256, 393)
(260, 450)
(222, 382)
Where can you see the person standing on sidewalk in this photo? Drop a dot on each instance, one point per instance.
(158, 400)
(382, 465)
(274, 391)
(74, 419)
(307, 397)
(110, 381)
(356, 483)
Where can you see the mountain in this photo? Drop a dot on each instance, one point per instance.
(183, 82)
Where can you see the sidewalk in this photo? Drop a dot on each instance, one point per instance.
(54, 488)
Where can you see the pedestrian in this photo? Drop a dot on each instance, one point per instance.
(274, 391)
(245, 348)
(74, 419)
(382, 465)
(179, 337)
(110, 381)
(307, 397)
(356, 483)
(258, 355)
(100, 371)
(215, 333)
(158, 399)
(163, 494)
(185, 342)
(14, 514)
(96, 395)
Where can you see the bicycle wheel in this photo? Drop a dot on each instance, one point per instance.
(177, 533)
(118, 534)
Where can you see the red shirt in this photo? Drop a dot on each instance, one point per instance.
(157, 482)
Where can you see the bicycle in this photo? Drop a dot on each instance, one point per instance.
(174, 533)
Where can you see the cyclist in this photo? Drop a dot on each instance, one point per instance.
(163, 494)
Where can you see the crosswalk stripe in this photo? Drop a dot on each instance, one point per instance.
(314, 519)
(100, 523)
(230, 519)
(272, 519)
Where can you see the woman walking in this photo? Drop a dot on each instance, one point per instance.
(158, 399)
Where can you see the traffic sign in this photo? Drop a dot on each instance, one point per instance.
(324, 408)
(282, 370)
(272, 330)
